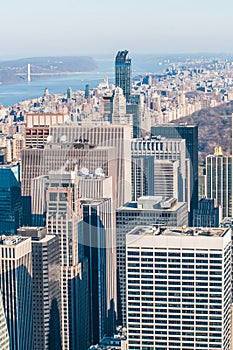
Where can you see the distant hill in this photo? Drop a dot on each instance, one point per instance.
(16, 70)
(214, 128)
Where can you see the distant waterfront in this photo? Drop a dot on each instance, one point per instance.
(11, 94)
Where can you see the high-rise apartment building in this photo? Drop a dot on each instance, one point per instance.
(219, 180)
(10, 199)
(178, 288)
(147, 161)
(45, 287)
(190, 134)
(16, 288)
(100, 249)
(64, 218)
(4, 336)
(123, 73)
(146, 211)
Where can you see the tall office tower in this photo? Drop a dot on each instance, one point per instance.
(219, 180)
(45, 287)
(119, 103)
(105, 135)
(64, 217)
(166, 178)
(16, 287)
(56, 156)
(4, 338)
(178, 288)
(146, 211)
(123, 77)
(190, 134)
(100, 249)
(119, 114)
(145, 153)
(208, 214)
(10, 199)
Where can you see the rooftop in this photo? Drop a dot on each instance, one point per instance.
(152, 203)
(179, 231)
(11, 240)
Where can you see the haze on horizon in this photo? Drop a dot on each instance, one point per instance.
(78, 27)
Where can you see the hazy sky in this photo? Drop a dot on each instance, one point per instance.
(73, 27)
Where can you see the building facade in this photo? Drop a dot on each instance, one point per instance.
(208, 214)
(100, 250)
(178, 288)
(146, 211)
(64, 218)
(147, 156)
(10, 200)
(105, 136)
(190, 134)
(123, 73)
(45, 287)
(219, 180)
(16, 287)
(4, 336)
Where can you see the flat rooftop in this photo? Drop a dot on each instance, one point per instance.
(179, 231)
(152, 203)
(11, 240)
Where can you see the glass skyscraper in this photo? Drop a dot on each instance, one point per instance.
(123, 72)
(10, 200)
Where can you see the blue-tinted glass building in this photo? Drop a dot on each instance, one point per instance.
(123, 72)
(10, 200)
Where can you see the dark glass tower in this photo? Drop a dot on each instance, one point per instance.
(190, 134)
(98, 248)
(123, 72)
(10, 200)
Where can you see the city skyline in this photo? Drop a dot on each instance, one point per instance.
(168, 27)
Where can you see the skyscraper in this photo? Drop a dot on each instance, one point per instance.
(179, 288)
(100, 249)
(4, 337)
(123, 72)
(145, 211)
(190, 134)
(208, 213)
(10, 199)
(16, 287)
(68, 156)
(146, 157)
(119, 103)
(219, 180)
(46, 287)
(64, 218)
(105, 136)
